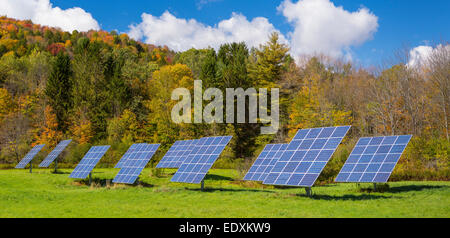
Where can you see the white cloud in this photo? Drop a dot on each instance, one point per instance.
(42, 12)
(321, 27)
(419, 55)
(181, 34)
(318, 27)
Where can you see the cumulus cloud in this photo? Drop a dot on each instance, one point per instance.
(321, 27)
(419, 55)
(318, 27)
(42, 12)
(181, 34)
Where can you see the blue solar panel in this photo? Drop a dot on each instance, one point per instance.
(200, 160)
(373, 159)
(54, 154)
(127, 155)
(265, 162)
(306, 156)
(89, 161)
(135, 163)
(28, 157)
(176, 155)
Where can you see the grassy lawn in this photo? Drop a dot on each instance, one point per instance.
(43, 194)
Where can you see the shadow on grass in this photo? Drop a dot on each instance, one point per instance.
(59, 172)
(348, 197)
(228, 190)
(411, 188)
(217, 177)
(97, 182)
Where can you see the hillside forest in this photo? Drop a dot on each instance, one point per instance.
(101, 87)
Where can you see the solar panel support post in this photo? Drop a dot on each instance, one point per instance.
(56, 166)
(374, 187)
(31, 166)
(202, 185)
(308, 191)
(90, 178)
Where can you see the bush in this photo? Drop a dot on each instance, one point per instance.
(75, 152)
(336, 162)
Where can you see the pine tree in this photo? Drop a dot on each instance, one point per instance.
(58, 89)
(270, 60)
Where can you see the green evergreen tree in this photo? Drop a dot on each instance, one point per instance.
(58, 89)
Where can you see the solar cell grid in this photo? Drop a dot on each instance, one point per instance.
(54, 154)
(373, 159)
(306, 156)
(127, 155)
(89, 161)
(135, 163)
(265, 162)
(200, 160)
(29, 156)
(177, 153)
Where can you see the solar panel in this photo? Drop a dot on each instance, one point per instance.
(89, 161)
(28, 157)
(127, 155)
(265, 162)
(306, 156)
(135, 163)
(373, 159)
(54, 154)
(177, 153)
(203, 155)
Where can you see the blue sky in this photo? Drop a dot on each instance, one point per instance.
(400, 22)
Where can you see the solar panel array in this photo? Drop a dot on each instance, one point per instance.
(29, 156)
(306, 156)
(127, 155)
(89, 161)
(135, 163)
(54, 154)
(177, 153)
(265, 162)
(203, 155)
(373, 159)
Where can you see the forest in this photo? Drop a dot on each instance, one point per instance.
(101, 87)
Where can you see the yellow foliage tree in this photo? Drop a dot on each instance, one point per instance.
(6, 103)
(124, 128)
(163, 83)
(81, 129)
(49, 135)
(310, 108)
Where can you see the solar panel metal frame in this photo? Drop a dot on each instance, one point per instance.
(29, 156)
(177, 153)
(265, 162)
(89, 161)
(206, 151)
(306, 156)
(373, 159)
(135, 163)
(127, 155)
(54, 153)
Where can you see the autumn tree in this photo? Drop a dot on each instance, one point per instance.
(309, 107)
(164, 81)
(438, 74)
(49, 134)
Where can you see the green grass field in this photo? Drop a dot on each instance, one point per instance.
(43, 194)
